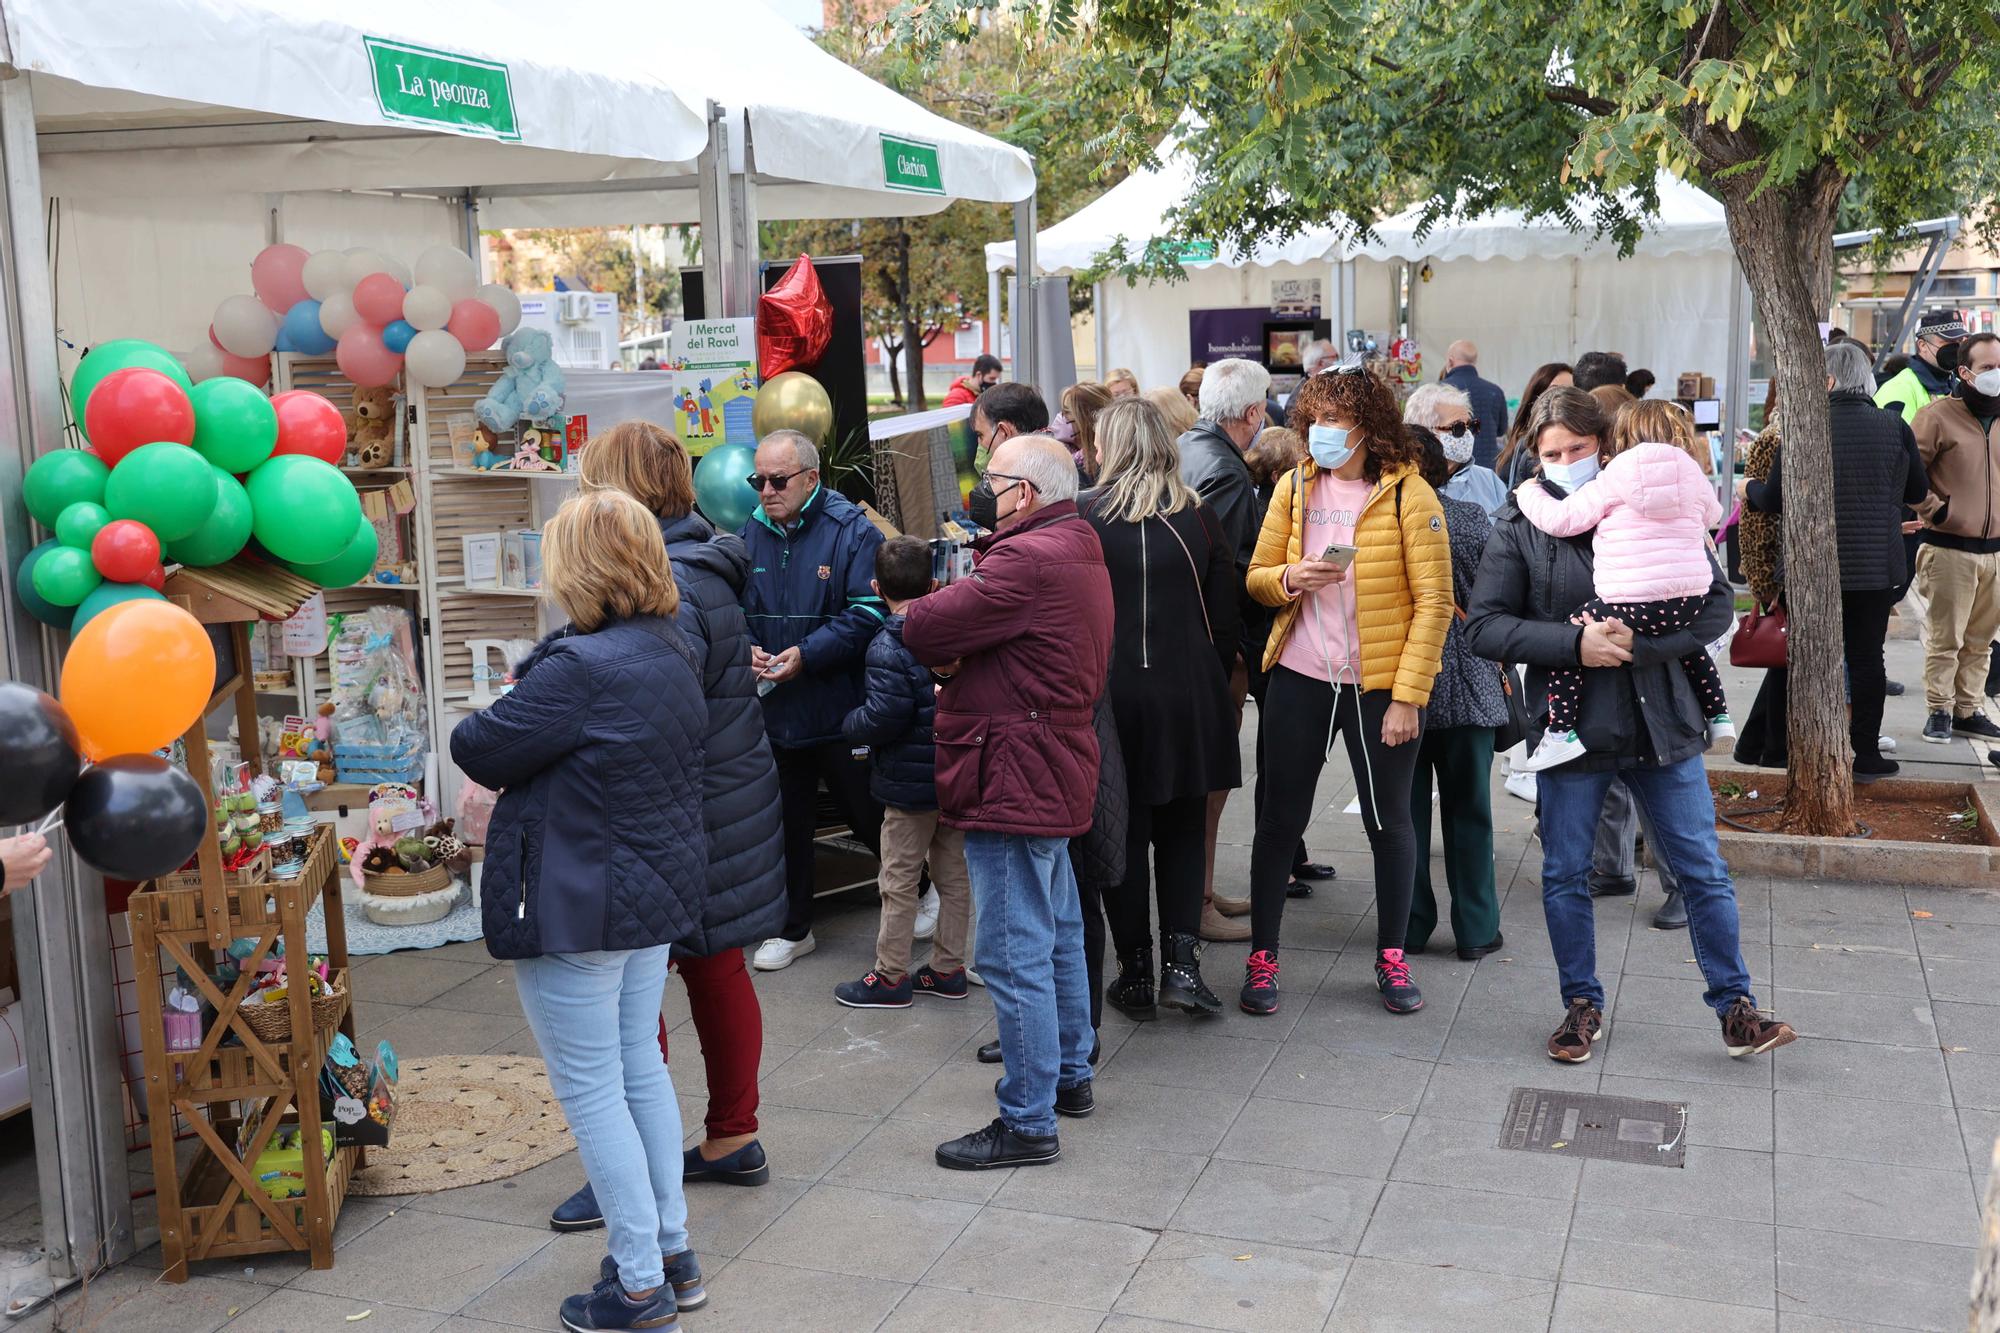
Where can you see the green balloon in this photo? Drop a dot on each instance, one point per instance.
(302, 510)
(58, 480)
(167, 486)
(76, 525)
(116, 355)
(354, 563)
(107, 595)
(225, 532)
(235, 426)
(65, 576)
(24, 588)
(720, 492)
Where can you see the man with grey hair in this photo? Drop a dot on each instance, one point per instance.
(1447, 413)
(812, 609)
(1489, 400)
(1318, 356)
(1026, 644)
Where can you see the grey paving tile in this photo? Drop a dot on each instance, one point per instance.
(1499, 1036)
(1846, 1127)
(429, 1260)
(1452, 1152)
(1306, 1072)
(1951, 939)
(1849, 1279)
(927, 1309)
(856, 1083)
(1175, 1055)
(1319, 1138)
(1814, 900)
(492, 991)
(928, 1031)
(1965, 979)
(426, 1032)
(899, 1156)
(722, 1219)
(1281, 1205)
(804, 1144)
(531, 1294)
(371, 1015)
(1863, 1069)
(792, 1019)
(880, 1235)
(1890, 1020)
(1690, 1055)
(1672, 1254)
(1040, 1256)
(1344, 1022)
(1975, 1079)
(1586, 1309)
(1222, 1284)
(1845, 933)
(690, 1070)
(958, 1095)
(1871, 1199)
(287, 1311)
(131, 1298)
(1975, 1027)
(524, 1200)
(1385, 1296)
(416, 978)
(1140, 1115)
(1838, 969)
(1719, 1116)
(1979, 906)
(1529, 988)
(1982, 1132)
(1479, 1093)
(751, 1295)
(1715, 1182)
(1493, 1233)
(1106, 1182)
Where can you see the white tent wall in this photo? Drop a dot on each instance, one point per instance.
(1146, 326)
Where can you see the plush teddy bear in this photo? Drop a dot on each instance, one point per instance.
(321, 752)
(530, 389)
(371, 435)
(379, 861)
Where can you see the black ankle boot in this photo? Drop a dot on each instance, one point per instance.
(1132, 993)
(1181, 986)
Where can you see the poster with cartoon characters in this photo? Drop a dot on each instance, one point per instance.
(714, 367)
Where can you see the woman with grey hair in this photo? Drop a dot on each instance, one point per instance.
(1447, 413)
(1876, 471)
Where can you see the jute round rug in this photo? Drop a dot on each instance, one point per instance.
(465, 1120)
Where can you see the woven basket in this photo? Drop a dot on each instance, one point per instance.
(407, 885)
(273, 1022)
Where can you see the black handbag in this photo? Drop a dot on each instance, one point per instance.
(1514, 731)
(1097, 855)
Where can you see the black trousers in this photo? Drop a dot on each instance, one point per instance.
(1260, 688)
(1171, 837)
(1864, 628)
(1302, 709)
(1092, 903)
(799, 774)
(1762, 741)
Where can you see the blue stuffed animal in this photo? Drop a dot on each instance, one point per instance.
(530, 389)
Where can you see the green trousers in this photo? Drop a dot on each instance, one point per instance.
(1462, 760)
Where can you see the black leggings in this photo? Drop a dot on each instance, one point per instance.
(1172, 836)
(1295, 750)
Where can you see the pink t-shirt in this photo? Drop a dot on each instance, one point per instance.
(1324, 631)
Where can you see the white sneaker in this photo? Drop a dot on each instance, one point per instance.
(779, 952)
(927, 914)
(1886, 744)
(973, 976)
(1557, 747)
(1521, 783)
(1720, 729)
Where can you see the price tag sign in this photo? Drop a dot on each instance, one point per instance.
(305, 632)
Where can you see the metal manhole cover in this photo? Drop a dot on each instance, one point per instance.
(1587, 1124)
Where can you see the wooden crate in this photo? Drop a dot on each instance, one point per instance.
(220, 1222)
(256, 870)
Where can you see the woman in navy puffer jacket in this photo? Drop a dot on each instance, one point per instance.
(596, 860)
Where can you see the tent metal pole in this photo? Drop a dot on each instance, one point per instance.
(61, 932)
(743, 240)
(1027, 350)
(1097, 327)
(717, 246)
(993, 311)
(469, 219)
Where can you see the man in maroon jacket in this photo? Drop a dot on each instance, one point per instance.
(1028, 639)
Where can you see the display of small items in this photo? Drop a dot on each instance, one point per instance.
(411, 854)
(358, 1095)
(281, 1168)
(378, 721)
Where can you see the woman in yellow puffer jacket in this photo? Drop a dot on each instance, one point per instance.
(1354, 555)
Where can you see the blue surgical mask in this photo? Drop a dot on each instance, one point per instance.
(1329, 445)
(1571, 476)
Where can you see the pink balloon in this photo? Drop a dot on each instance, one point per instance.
(475, 324)
(212, 342)
(255, 369)
(277, 275)
(365, 359)
(378, 299)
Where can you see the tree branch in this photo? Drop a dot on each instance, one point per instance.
(1569, 95)
(1694, 56)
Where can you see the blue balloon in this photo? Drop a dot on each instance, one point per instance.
(396, 335)
(59, 617)
(720, 491)
(106, 596)
(300, 332)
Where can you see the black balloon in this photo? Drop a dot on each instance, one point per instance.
(136, 816)
(39, 759)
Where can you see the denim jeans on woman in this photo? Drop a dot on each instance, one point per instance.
(1682, 819)
(595, 1017)
(1030, 955)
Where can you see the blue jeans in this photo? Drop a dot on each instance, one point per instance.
(596, 1017)
(1682, 815)
(1030, 955)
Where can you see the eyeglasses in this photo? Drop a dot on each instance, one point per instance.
(988, 478)
(1468, 427)
(758, 481)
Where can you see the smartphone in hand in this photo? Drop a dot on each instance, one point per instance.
(1338, 554)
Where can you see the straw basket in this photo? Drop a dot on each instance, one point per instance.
(407, 885)
(273, 1022)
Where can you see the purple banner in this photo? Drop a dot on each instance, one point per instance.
(1215, 334)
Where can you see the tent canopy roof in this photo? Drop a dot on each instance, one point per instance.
(1689, 222)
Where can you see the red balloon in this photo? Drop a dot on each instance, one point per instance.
(125, 551)
(308, 424)
(157, 579)
(136, 406)
(378, 299)
(365, 359)
(255, 369)
(475, 324)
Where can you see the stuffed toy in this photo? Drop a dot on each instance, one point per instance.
(530, 389)
(372, 434)
(412, 854)
(379, 861)
(321, 752)
(445, 848)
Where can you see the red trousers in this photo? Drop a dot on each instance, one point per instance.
(730, 1027)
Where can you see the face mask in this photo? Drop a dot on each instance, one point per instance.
(1987, 383)
(1329, 445)
(1062, 428)
(1571, 476)
(1457, 446)
(983, 505)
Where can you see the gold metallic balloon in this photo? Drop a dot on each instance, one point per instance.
(794, 401)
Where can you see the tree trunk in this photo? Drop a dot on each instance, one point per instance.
(889, 355)
(1783, 238)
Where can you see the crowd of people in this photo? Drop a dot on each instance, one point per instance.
(1041, 752)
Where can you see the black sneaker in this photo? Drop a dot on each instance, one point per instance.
(997, 1146)
(1392, 977)
(1894, 688)
(939, 985)
(1313, 870)
(683, 1275)
(1977, 725)
(1937, 728)
(1873, 768)
(1076, 1102)
(989, 1053)
(872, 992)
(1613, 886)
(1260, 983)
(607, 1306)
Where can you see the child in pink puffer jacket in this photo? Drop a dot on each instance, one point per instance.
(1653, 508)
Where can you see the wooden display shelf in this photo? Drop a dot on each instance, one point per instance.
(213, 1206)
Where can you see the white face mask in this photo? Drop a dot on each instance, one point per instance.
(1987, 382)
(1572, 476)
(1457, 446)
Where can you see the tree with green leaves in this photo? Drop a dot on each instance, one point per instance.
(1315, 112)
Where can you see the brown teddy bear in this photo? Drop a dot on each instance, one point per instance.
(372, 427)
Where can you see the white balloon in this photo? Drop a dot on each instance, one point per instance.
(204, 362)
(245, 326)
(427, 307)
(400, 272)
(323, 274)
(505, 304)
(337, 314)
(451, 271)
(360, 263)
(434, 359)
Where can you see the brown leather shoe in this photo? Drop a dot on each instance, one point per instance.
(1217, 927)
(1581, 1027)
(1747, 1032)
(1230, 906)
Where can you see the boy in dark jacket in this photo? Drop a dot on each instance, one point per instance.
(894, 719)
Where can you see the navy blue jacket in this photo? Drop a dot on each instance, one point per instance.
(1489, 404)
(895, 718)
(739, 804)
(596, 842)
(809, 588)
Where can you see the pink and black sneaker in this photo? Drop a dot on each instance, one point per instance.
(1260, 983)
(1392, 977)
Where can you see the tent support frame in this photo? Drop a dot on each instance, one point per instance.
(1027, 277)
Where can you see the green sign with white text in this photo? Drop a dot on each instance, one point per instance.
(911, 165)
(419, 86)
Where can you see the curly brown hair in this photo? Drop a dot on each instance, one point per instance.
(1369, 403)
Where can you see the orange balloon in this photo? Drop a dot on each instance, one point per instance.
(137, 676)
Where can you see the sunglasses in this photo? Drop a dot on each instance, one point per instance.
(759, 482)
(1466, 427)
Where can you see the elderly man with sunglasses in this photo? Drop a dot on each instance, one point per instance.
(812, 610)
(1447, 413)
